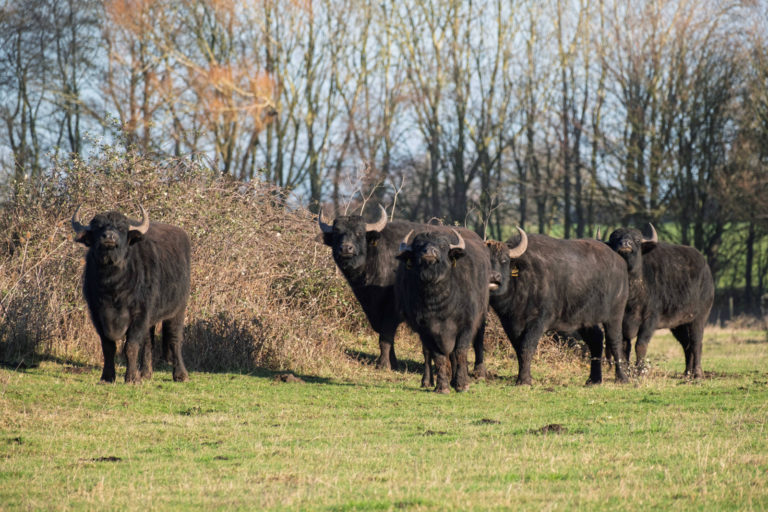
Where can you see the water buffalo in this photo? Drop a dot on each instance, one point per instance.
(365, 253)
(669, 286)
(136, 275)
(442, 288)
(541, 283)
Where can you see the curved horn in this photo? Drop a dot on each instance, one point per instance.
(325, 228)
(404, 244)
(460, 245)
(144, 226)
(76, 225)
(518, 250)
(654, 237)
(379, 224)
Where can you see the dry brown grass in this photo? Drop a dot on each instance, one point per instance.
(265, 294)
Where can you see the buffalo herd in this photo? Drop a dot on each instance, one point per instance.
(440, 280)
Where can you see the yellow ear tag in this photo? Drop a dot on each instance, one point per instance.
(373, 244)
(408, 264)
(454, 262)
(514, 272)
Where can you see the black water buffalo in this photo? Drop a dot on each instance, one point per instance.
(365, 253)
(442, 289)
(136, 275)
(541, 283)
(669, 286)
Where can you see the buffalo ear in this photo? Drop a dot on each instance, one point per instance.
(134, 236)
(372, 236)
(328, 238)
(456, 253)
(648, 247)
(404, 255)
(84, 237)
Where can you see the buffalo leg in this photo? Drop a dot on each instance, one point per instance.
(697, 342)
(525, 347)
(427, 378)
(682, 334)
(614, 338)
(461, 370)
(629, 330)
(454, 368)
(108, 348)
(173, 332)
(641, 345)
(690, 337)
(135, 339)
(443, 371)
(593, 337)
(131, 349)
(146, 356)
(387, 359)
(477, 345)
(167, 350)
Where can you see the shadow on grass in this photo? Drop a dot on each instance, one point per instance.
(403, 365)
(34, 360)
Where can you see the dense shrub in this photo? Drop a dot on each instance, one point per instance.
(264, 292)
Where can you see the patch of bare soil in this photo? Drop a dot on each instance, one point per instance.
(109, 458)
(288, 377)
(552, 428)
(487, 421)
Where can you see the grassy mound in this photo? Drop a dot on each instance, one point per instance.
(264, 292)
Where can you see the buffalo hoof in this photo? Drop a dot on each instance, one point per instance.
(181, 377)
(383, 365)
(593, 382)
(480, 373)
(442, 390)
(146, 375)
(462, 389)
(523, 382)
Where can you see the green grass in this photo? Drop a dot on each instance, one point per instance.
(370, 440)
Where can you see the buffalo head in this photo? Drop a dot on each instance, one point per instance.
(109, 235)
(630, 244)
(431, 254)
(350, 236)
(503, 256)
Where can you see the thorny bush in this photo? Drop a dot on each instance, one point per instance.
(265, 293)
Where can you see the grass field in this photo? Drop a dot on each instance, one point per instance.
(361, 439)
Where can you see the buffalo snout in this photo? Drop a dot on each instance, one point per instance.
(109, 239)
(430, 255)
(347, 249)
(494, 280)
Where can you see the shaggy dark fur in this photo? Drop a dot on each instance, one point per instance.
(566, 285)
(669, 286)
(131, 282)
(367, 261)
(443, 293)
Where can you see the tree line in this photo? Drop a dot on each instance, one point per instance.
(557, 116)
